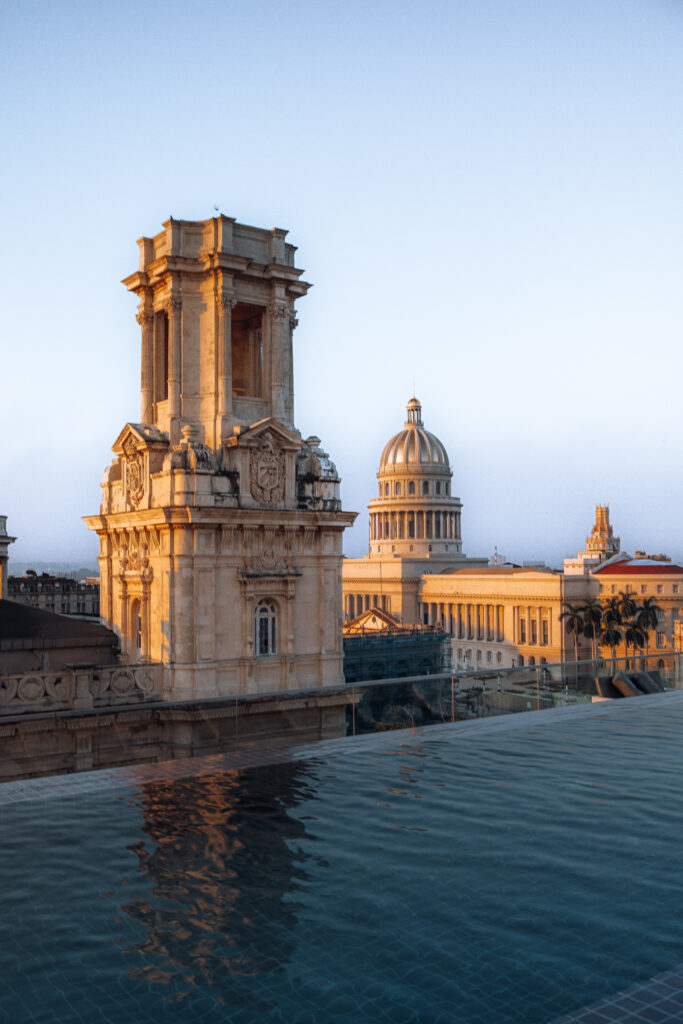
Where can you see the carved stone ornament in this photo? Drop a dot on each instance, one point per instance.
(267, 474)
(279, 311)
(135, 481)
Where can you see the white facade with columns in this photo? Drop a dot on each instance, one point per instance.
(220, 526)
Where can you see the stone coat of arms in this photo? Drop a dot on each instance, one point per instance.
(267, 474)
(135, 481)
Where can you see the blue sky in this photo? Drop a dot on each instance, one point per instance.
(486, 196)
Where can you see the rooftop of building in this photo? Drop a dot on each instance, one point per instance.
(639, 566)
(22, 626)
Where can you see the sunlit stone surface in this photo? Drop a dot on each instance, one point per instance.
(220, 526)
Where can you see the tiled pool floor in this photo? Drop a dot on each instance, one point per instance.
(484, 872)
(657, 1001)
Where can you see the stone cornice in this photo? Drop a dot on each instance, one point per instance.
(185, 515)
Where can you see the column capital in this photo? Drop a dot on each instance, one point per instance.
(225, 303)
(279, 311)
(145, 317)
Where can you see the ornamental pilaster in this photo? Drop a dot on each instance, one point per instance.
(145, 317)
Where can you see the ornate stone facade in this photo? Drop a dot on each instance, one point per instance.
(220, 527)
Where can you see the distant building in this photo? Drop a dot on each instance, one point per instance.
(378, 646)
(600, 546)
(644, 577)
(60, 594)
(415, 526)
(5, 541)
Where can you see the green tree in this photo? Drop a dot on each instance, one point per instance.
(648, 617)
(628, 606)
(610, 636)
(635, 635)
(573, 623)
(592, 622)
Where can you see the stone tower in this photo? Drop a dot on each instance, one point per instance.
(220, 527)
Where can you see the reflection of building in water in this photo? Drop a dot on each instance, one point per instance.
(223, 856)
(220, 526)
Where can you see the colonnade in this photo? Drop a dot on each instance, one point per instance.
(466, 621)
(355, 604)
(432, 525)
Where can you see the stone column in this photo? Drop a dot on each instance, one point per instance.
(280, 341)
(174, 366)
(539, 626)
(528, 623)
(224, 306)
(146, 320)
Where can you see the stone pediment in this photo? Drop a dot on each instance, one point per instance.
(266, 432)
(140, 435)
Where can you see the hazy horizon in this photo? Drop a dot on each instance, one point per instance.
(486, 198)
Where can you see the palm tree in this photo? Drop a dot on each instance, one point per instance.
(635, 635)
(612, 610)
(628, 605)
(610, 636)
(648, 617)
(592, 621)
(573, 616)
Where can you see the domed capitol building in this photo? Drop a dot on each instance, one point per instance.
(416, 573)
(414, 513)
(415, 526)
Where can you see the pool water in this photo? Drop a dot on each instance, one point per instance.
(501, 871)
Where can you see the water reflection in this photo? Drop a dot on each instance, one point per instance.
(224, 858)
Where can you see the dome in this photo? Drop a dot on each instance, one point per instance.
(414, 446)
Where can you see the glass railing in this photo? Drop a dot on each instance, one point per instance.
(449, 697)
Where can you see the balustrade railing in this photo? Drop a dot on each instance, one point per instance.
(79, 687)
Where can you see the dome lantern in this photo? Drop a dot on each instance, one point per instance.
(414, 412)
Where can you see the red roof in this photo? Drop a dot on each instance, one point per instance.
(636, 568)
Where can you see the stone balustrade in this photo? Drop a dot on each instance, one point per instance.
(79, 687)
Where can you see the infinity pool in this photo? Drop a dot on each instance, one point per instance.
(513, 869)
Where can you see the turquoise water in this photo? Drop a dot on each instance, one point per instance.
(462, 875)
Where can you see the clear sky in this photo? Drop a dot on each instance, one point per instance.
(486, 195)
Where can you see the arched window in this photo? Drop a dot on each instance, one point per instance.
(411, 487)
(532, 660)
(398, 488)
(520, 661)
(437, 487)
(386, 488)
(265, 629)
(425, 487)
